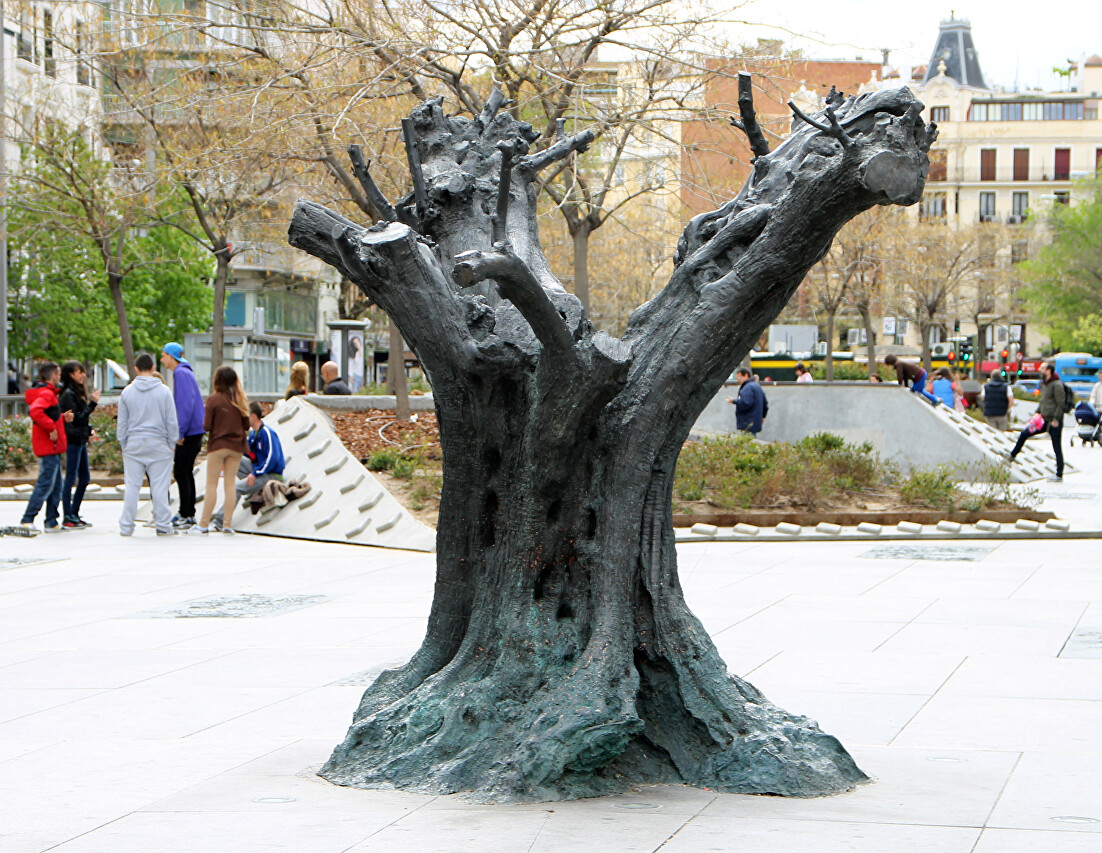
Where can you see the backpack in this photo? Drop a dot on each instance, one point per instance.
(1069, 398)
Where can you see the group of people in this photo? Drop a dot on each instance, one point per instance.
(998, 398)
(161, 434)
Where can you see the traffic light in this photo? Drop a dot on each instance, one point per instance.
(966, 351)
(1005, 354)
(950, 356)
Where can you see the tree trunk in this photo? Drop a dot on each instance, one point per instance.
(560, 658)
(829, 364)
(581, 264)
(114, 284)
(870, 341)
(924, 330)
(218, 318)
(397, 373)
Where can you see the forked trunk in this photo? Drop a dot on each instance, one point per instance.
(560, 659)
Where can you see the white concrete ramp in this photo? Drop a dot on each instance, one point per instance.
(900, 425)
(346, 503)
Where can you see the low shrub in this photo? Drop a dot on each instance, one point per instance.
(104, 451)
(735, 471)
(15, 444)
(382, 460)
(848, 371)
(932, 487)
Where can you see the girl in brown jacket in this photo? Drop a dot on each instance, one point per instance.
(227, 423)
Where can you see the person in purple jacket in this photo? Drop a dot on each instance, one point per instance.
(189, 414)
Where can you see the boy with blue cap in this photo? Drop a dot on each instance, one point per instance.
(189, 415)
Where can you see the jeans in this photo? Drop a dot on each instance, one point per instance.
(76, 472)
(46, 489)
(1054, 432)
(919, 387)
(183, 467)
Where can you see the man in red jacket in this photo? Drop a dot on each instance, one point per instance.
(48, 441)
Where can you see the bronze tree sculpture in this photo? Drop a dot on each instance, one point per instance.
(560, 658)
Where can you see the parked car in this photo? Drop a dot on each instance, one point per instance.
(1030, 386)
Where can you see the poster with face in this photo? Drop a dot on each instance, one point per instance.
(355, 361)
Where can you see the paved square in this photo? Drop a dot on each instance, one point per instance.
(970, 689)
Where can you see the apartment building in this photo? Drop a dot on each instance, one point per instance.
(1001, 155)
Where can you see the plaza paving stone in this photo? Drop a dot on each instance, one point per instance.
(971, 691)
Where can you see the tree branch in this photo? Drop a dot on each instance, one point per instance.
(516, 283)
(363, 174)
(558, 151)
(508, 149)
(419, 192)
(749, 123)
(833, 129)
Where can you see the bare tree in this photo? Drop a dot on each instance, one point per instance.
(561, 659)
(929, 264)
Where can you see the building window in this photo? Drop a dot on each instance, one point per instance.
(978, 112)
(987, 207)
(987, 164)
(939, 115)
(1061, 164)
(1054, 111)
(1090, 113)
(1098, 159)
(49, 62)
(1063, 197)
(1019, 251)
(84, 72)
(24, 47)
(1021, 164)
(933, 206)
(1019, 206)
(938, 167)
(1073, 112)
(1012, 112)
(1032, 112)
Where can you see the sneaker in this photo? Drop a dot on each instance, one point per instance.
(54, 528)
(181, 523)
(25, 528)
(228, 531)
(196, 530)
(126, 533)
(169, 532)
(216, 524)
(1055, 479)
(73, 524)
(84, 522)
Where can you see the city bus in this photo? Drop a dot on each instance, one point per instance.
(1079, 370)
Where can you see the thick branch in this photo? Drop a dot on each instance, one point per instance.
(558, 151)
(415, 173)
(363, 174)
(508, 151)
(494, 103)
(517, 284)
(749, 124)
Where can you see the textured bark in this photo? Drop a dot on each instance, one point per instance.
(560, 658)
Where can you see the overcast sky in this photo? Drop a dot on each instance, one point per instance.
(1016, 42)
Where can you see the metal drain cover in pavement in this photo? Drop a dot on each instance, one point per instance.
(236, 606)
(926, 552)
(1084, 643)
(16, 562)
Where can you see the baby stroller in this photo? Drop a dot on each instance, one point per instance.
(1090, 424)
